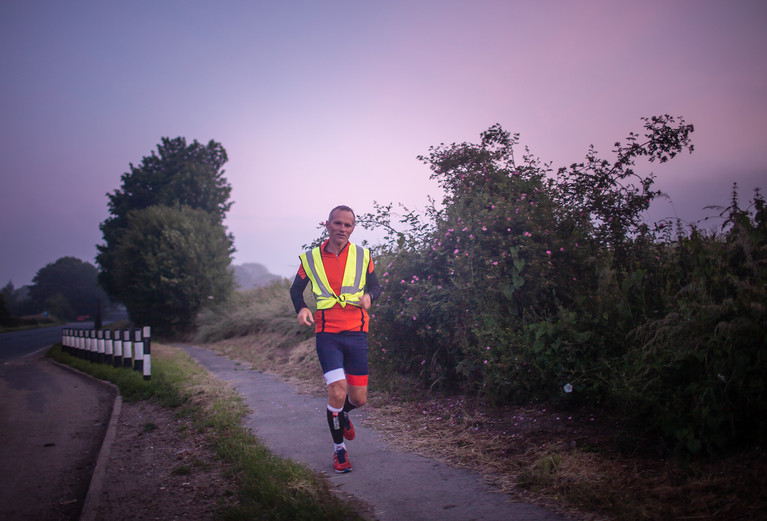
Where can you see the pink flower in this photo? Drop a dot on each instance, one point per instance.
(548, 252)
(455, 251)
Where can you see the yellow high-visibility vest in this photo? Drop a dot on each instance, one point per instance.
(352, 285)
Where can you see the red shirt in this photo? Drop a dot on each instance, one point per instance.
(337, 319)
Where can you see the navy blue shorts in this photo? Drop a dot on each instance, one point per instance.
(344, 356)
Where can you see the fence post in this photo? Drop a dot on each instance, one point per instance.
(127, 349)
(92, 347)
(100, 353)
(108, 346)
(117, 345)
(147, 362)
(138, 352)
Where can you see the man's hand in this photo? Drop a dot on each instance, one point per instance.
(305, 317)
(366, 301)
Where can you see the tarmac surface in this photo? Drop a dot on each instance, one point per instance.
(53, 422)
(396, 485)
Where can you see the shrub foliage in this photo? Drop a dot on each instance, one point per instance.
(528, 284)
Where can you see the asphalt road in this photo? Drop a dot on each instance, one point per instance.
(16, 344)
(52, 425)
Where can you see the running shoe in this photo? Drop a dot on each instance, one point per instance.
(349, 433)
(341, 462)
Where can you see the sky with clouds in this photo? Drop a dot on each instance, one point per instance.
(327, 102)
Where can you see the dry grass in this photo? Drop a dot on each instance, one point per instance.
(565, 461)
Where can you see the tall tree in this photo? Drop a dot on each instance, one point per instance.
(66, 288)
(176, 174)
(170, 262)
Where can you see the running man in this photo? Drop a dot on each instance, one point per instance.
(345, 285)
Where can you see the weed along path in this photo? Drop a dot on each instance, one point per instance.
(396, 485)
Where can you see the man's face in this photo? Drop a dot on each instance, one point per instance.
(340, 226)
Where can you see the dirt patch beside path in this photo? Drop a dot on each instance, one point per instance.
(161, 468)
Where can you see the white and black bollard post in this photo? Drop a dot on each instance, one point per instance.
(84, 345)
(92, 345)
(138, 352)
(100, 349)
(108, 346)
(117, 346)
(147, 362)
(127, 349)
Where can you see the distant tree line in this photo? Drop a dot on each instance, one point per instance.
(65, 290)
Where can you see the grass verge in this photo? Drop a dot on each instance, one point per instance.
(269, 487)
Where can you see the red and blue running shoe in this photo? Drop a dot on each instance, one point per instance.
(349, 433)
(341, 462)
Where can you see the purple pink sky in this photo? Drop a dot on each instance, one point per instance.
(325, 102)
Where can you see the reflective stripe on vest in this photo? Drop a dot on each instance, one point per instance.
(354, 279)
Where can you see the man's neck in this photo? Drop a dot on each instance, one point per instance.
(334, 248)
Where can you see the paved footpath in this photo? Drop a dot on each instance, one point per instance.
(397, 485)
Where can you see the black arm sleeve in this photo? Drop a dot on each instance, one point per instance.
(297, 292)
(372, 286)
